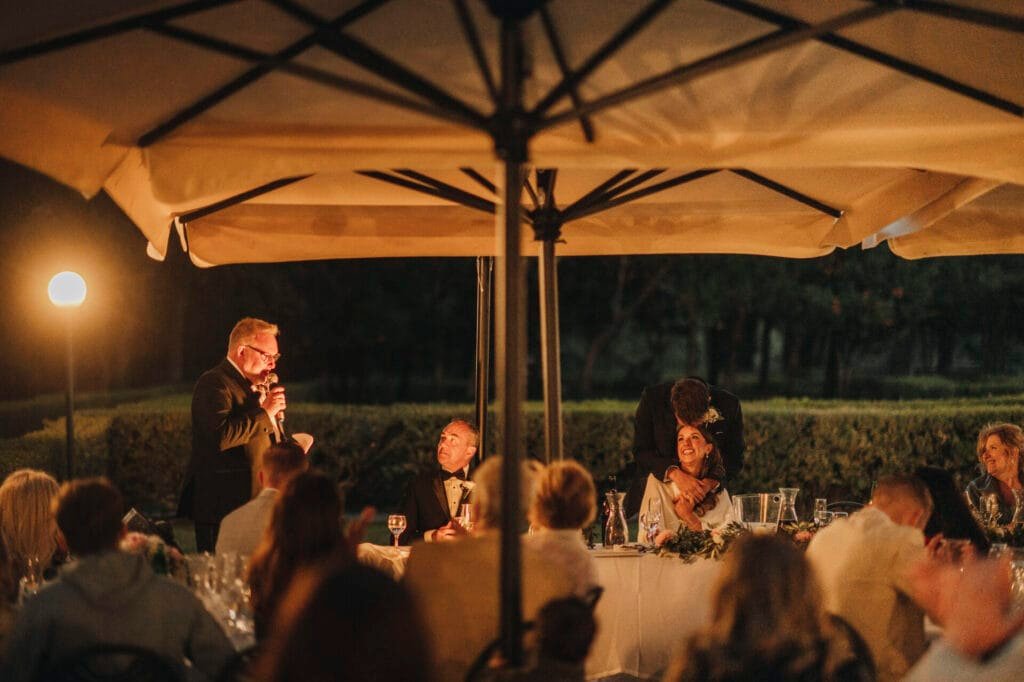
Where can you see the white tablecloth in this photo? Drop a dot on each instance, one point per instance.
(390, 560)
(649, 606)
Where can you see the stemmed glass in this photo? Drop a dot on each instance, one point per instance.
(30, 583)
(651, 519)
(465, 517)
(396, 524)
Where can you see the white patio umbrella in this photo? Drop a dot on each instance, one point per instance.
(862, 112)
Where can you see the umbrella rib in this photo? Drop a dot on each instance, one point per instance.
(460, 195)
(982, 17)
(563, 66)
(600, 56)
(788, 192)
(598, 191)
(476, 202)
(310, 73)
(640, 194)
(546, 182)
(531, 191)
(330, 37)
(629, 184)
(870, 53)
(238, 198)
(738, 54)
(480, 179)
(473, 38)
(255, 73)
(106, 30)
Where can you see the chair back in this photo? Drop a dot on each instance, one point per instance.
(114, 663)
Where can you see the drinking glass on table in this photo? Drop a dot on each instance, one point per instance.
(466, 517)
(396, 524)
(30, 583)
(651, 519)
(820, 509)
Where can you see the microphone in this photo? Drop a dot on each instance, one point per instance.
(272, 382)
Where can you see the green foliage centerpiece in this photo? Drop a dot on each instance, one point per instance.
(690, 545)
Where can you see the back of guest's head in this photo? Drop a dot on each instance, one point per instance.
(767, 617)
(304, 528)
(951, 516)
(281, 461)
(346, 622)
(765, 590)
(564, 497)
(690, 399)
(89, 513)
(905, 498)
(26, 517)
(487, 493)
(565, 630)
(8, 579)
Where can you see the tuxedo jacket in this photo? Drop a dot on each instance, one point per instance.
(654, 439)
(425, 506)
(230, 433)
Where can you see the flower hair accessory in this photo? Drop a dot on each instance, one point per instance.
(711, 416)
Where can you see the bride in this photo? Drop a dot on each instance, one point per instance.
(698, 456)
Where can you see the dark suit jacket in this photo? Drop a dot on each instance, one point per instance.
(654, 440)
(425, 506)
(230, 433)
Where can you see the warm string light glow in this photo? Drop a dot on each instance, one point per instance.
(66, 289)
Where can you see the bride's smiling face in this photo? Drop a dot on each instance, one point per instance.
(691, 447)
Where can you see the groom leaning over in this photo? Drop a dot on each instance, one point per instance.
(433, 497)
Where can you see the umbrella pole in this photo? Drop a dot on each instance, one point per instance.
(510, 138)
(547, 275)
(484, 277)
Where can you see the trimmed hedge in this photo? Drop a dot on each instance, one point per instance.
(832, 450)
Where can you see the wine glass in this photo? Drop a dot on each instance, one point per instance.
(651, 519)
(396, 524)
(465, 517)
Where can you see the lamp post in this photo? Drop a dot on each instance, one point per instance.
(67, 290)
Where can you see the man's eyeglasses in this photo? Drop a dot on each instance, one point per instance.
(267, 357)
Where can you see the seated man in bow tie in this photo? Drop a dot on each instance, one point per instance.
(433, 497)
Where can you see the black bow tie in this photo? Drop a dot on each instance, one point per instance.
(460, 474)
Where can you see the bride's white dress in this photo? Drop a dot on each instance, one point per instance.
(721, 515)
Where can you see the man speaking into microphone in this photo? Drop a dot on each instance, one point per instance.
(235, 417)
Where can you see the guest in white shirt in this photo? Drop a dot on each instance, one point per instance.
(864, 566)
(563, 504)
(242, 529)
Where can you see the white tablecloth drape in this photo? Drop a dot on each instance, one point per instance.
(649, 606)
(390, 560)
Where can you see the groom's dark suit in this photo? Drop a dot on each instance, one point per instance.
(425, 506)
(230, 433)
(654, 440)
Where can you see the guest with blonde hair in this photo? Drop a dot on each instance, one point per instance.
(455, 584)
(27, 523)
(768, 622)
(564, 503)
(994, 494)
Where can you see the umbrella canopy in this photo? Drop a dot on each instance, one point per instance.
(179, 106)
